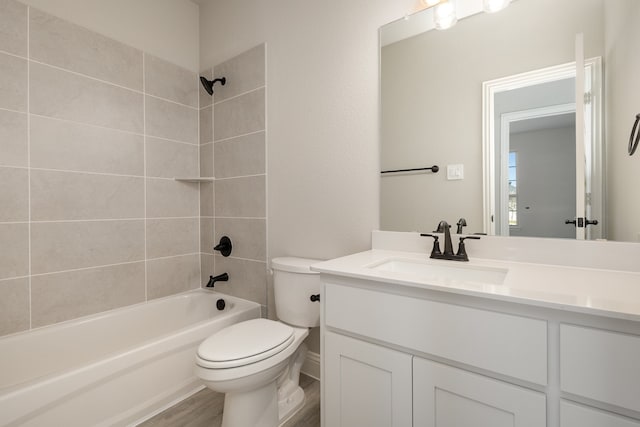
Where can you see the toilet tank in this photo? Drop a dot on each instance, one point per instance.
(293, 285)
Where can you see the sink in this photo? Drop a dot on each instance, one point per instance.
(440, 273)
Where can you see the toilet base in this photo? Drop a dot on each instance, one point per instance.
(288, 407)
(254, 408)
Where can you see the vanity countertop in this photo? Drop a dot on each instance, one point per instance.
(609, 293)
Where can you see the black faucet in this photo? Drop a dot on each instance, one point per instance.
(461, 223)
(219, 278)
(448, 254)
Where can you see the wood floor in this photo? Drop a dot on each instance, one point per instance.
(204, 409)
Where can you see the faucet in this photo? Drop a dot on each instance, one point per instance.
(461, 223)
(443, 227)
(448, 254)
(224, 277)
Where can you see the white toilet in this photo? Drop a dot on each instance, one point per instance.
(257, 363)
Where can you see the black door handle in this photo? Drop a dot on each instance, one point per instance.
(315, 298)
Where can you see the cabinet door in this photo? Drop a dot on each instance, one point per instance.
(575, 415)
(365, 385)
(444, 396)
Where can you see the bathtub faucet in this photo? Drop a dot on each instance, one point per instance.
(224, 277)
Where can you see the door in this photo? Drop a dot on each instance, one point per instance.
(365, 385)
(444, 396)
(543, 155)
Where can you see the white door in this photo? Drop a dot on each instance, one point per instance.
(365, 385)
(444, 396)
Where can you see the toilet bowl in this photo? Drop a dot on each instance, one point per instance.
(257, 363)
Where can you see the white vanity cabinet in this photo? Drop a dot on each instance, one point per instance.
(575, 415)
(411, 357)
(447, 396)
(366, 384)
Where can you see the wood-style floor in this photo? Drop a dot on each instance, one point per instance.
(204, 409)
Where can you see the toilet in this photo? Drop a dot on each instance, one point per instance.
(256, 363)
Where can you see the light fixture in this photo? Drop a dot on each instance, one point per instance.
(430, 3)
(444, 15)
(491, 6)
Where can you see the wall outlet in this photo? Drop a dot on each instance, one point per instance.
(455, 172)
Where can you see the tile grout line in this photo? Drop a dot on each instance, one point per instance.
(241, 176)
(72, 270)
(29, 162)
(144, 161)
(215, 141)
(213, 168)
(62, 221)
(199, 187)
(239, 95)
(112, 129)
(266, 182)
(87, 76)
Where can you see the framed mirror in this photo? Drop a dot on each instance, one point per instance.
(435, 112)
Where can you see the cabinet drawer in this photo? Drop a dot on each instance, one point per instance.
(574, 415)
(600, 365)
(502, 343)
(446, 396)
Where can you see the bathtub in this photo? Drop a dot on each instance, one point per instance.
(114, 368)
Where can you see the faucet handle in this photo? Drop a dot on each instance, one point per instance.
(436, 244)
(462, 251)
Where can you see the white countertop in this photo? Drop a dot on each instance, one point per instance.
(609, 293)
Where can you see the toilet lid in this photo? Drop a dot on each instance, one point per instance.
(244, 343)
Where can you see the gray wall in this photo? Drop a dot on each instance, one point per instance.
(92, 132)
(622, 85)
(546, 176)
(432, 100)
(233, 150)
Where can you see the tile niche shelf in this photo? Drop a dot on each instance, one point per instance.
(194, 179)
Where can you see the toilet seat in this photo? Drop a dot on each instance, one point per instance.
(244, 343)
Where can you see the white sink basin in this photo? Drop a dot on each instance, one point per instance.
(440, 273)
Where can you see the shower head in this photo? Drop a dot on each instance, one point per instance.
(208, 84)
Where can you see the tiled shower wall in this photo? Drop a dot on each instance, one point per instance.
(234, 148)
(91, 134)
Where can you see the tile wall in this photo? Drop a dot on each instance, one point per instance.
(233, 147)
(92, 133)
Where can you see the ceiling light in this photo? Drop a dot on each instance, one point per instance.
(491, 6)
(444, 15)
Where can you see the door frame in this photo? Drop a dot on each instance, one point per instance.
(545, 75)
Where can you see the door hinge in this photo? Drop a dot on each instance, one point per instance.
(587, 98)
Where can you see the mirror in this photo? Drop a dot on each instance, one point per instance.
(432, 114)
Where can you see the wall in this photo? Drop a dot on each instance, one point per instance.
(167, 29)
(622, 68)
(432, 101)
(92, 132)
(546, 182)
(322, 114)
(234, 150)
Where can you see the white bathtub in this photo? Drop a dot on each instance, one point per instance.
(115, 368)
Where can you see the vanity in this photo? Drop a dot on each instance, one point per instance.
(519, 336)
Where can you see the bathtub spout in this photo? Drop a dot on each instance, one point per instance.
(224, 277)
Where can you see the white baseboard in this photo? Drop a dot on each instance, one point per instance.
(311, 365)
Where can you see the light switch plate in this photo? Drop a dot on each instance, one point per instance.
(455, 172)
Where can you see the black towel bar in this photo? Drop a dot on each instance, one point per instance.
(433, 169)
